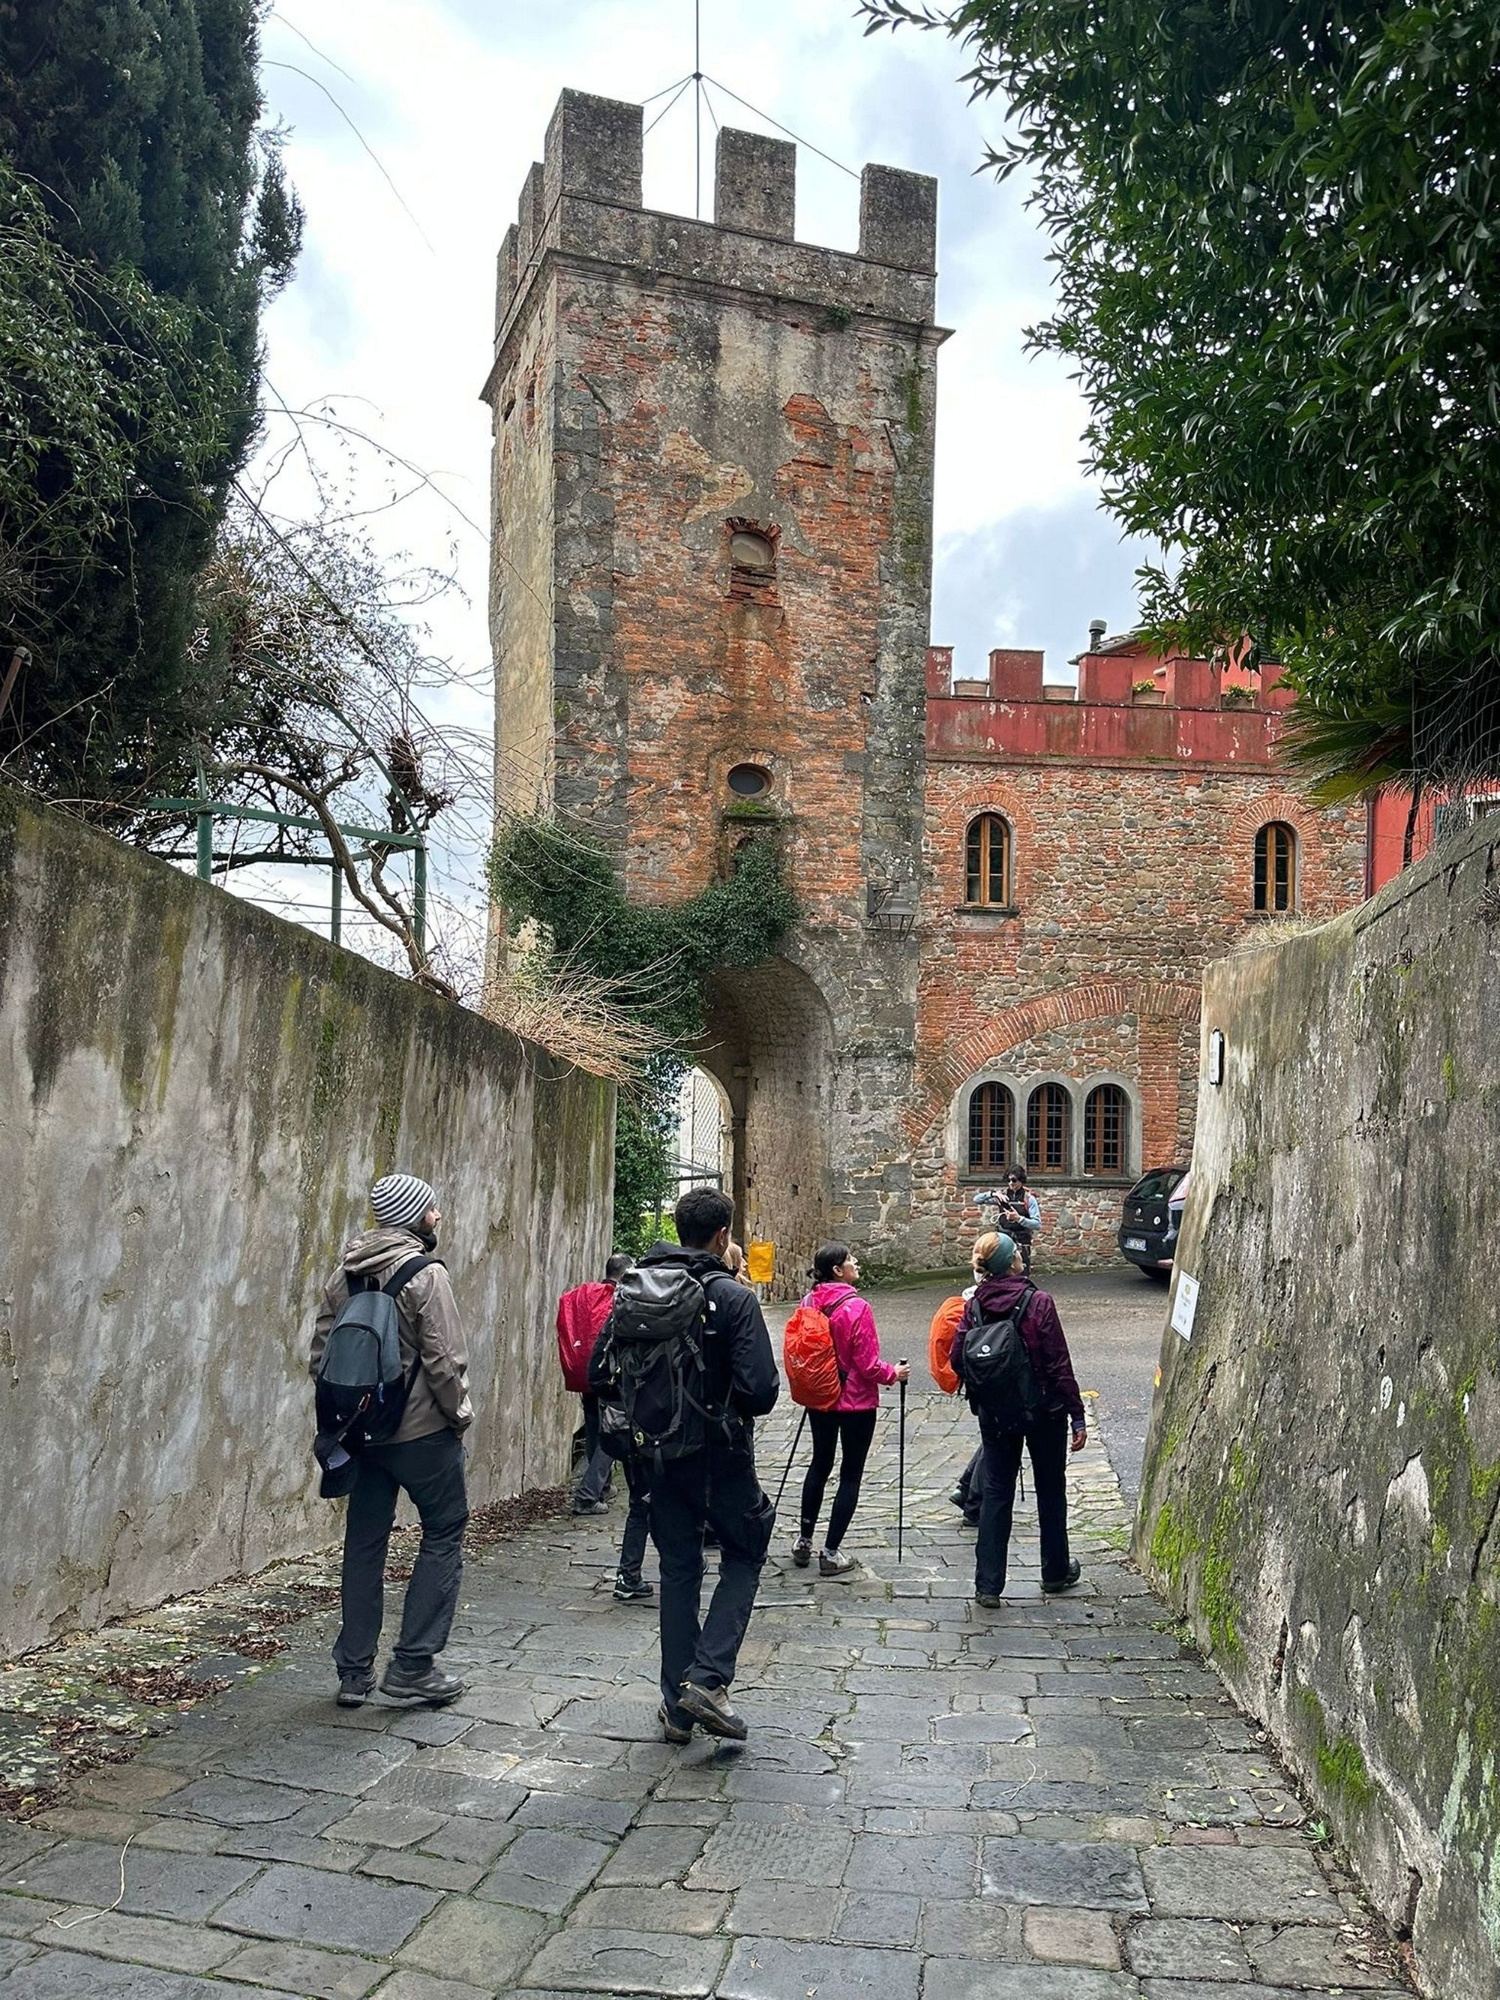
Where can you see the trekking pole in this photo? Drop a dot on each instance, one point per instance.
(901, 1472)
(790, 1456)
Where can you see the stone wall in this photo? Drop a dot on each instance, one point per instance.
(194, 1097)
(1322, 1486)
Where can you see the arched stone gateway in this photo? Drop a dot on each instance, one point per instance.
(771, 1045)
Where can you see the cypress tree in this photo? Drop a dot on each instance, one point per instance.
(137, 123)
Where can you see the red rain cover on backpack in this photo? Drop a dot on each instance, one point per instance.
(940, 1344)
(812, 1366)
(581, 1314)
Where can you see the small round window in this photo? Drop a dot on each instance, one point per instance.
(751, 551)
(750, 781)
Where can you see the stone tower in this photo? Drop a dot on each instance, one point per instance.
(712, 499)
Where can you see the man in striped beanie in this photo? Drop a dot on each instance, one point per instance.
(423, 1456)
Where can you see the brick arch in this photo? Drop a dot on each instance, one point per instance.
(1148, 999)
(1247, 820)
(1314, 886)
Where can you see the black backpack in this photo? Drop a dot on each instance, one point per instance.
(651, 1356)
(361, 1386)
(999, 1379)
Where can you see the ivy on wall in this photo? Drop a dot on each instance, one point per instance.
(656, 960)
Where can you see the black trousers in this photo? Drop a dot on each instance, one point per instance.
(431, 1470)
(716, 1488)
(971, 1485)
(850, 1433)
(593, 1485)
(637, 1521)
(1047, 1445)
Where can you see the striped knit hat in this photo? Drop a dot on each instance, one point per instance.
(399, 1199)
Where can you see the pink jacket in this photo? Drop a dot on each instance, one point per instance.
(855, 1342)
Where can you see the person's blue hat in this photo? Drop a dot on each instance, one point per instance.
(1001, 1257)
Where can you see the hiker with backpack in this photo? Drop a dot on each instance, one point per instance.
(392, 1385)
(683, 1368)
(835, 1369)
(581, 1313)
(581, 1317)
(1011, 1355)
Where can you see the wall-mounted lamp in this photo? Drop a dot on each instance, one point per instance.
(1216, 1056)
(891, 906)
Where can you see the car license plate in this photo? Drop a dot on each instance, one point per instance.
(1135, 1242)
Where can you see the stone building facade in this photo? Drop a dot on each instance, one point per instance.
(1065, 989)
(712, 500)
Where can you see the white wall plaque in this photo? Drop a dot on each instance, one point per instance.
(1185, 1306)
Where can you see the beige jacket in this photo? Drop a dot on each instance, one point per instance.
(430, 1326)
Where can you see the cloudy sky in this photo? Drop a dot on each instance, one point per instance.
(411, 124)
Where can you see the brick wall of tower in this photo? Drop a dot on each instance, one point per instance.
(1133, 827)
(706, 380)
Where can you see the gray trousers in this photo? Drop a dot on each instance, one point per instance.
(431, 1470)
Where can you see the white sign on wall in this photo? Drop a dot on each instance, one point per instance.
(1185, 1306)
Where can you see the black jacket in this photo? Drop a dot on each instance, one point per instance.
(739, 1365)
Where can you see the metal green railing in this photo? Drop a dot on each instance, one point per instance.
(206, 811)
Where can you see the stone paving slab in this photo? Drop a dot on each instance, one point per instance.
(1054, 1801)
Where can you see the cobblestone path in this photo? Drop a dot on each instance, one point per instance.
(1048, 1802)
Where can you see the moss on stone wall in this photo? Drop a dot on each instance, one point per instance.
(1321, 1488)
(202, 1096)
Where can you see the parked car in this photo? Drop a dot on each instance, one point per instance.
(1152, 1218)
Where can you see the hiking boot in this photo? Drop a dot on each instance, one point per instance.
(674, 1728)
(355, 1689)
(987, 1599)
(834, 1563)
(802, 1551)
(632, 1589)
(709, 1708)
(431, 1685)
(590, 1507)
(1066, 1582)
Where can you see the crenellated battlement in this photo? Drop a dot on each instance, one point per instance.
(1130, 704)
(583, 200)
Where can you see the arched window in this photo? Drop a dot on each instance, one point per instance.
(1106, 1130)
(1048, 1117)
(1276, 867)
(992, 1128)
(987, 857)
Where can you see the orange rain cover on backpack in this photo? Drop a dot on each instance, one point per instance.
(940, 1344)
(807, 1354)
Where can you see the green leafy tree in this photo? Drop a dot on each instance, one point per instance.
(1277, 267)
(96, 371)
(135, 124)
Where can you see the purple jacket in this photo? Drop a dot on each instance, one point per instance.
(1041, 1329)
(856, 1344)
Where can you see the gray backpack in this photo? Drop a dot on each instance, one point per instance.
(361, 1386)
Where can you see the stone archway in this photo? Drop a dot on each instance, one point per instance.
(770, 1043)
